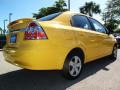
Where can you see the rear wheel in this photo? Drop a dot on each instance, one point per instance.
(72, 66)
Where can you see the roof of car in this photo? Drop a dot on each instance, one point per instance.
(65, 17)
(75, 13)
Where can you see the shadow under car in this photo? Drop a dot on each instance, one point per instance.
(48, 80)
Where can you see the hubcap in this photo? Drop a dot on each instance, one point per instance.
(75, 66)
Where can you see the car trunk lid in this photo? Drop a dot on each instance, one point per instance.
(16, 31)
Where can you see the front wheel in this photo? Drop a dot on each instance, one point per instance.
(114, 53)
(72, 66)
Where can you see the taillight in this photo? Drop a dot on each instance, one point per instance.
(34, 32)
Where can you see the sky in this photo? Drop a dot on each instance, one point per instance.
(25, 8)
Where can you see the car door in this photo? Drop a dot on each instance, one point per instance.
(85, 36)
(104, 39)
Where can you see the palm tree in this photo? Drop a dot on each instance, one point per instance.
(57, 7)
(60, 4)
(90, 8)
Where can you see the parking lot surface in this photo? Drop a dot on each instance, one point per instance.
(103, 74)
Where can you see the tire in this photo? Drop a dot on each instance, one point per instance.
(73, 66)
(114, 52)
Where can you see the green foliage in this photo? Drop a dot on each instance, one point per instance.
(57, 7)
(117, 31)
(112, 24)
(90, 8)
(0, 28)
(111, 14)
(1, 31)
(60, 4)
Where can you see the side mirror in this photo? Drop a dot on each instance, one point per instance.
(110, 31)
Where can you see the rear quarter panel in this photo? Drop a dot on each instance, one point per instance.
(61, 40)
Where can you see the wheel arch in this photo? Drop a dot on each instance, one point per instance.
(115, 44)
(65, 70)
(78, 50)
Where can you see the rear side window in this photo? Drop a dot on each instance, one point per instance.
(81, 22)
(49, 17)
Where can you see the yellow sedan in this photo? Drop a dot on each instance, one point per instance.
(60, 41)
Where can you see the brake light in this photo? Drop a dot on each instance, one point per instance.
(34, 32)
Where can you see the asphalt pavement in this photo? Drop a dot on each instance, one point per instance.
(102, 74)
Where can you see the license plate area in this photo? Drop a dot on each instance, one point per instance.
(13, 38)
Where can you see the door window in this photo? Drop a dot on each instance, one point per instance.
(98, 26)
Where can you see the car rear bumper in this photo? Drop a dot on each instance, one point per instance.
(44, 60)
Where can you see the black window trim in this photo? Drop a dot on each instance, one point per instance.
(92, 27)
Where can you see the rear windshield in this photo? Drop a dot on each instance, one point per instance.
(49, 17)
